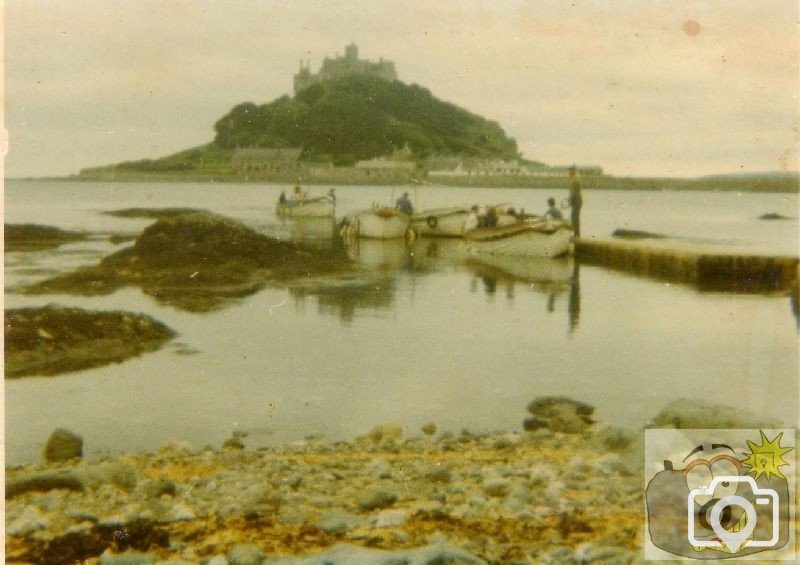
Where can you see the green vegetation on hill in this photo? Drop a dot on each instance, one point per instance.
(359, 117)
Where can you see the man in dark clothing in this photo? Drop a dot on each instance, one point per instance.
(575, 200)
(552, 211)
(404, 204)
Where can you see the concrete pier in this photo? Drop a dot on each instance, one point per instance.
(708, 268)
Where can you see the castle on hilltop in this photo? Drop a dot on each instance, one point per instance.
(350, 64)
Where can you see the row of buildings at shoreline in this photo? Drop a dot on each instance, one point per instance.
(266, 162)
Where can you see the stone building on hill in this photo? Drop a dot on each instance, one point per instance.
(350, 64)
(249, 159)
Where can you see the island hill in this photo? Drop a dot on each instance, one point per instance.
(355, 122)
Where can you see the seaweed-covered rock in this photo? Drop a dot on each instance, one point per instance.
(53, 340)
(63, 445)
(559, 414)
(696, 414)
(196, 261)
(35, 237)
(155, 213)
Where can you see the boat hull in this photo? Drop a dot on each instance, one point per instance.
(448, 222)
(313, 208)
(523, 239)
(380, 223)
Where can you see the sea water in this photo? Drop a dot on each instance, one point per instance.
(421, 335)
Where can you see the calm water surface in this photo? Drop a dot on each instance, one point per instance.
(423, 335)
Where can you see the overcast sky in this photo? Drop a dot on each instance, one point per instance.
(639, 87)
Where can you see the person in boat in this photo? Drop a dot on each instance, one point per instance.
(491, 217)
(552, 211)
(282, 197)
(299, 195)
(404, 204)
(575, 200)
(332, 195)
(471, 222)
(482, 216)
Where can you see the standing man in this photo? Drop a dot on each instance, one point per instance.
(404, 204)
(575, 200)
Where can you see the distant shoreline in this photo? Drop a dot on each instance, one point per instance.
(765, 184)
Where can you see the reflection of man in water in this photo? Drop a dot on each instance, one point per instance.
(575, 298)
(575, 200)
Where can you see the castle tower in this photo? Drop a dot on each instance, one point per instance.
(339, 67)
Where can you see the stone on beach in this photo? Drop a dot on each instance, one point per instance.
(28, 522)
(244, 554)
(391, 518)
(386, 432)
(497, 487)
(63, 445)
(559, 414)
(376, 498)
(233, 443)
(429, 429)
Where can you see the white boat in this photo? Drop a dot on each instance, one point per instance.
(441, 222)
(320, 207)
(377, 223)
(526, 238)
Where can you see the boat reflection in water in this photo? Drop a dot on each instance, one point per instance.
(380, 255)
(553, 277)
(437, 254)
(315, 232)
(348, 298)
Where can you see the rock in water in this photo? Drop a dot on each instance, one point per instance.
(233, 443)
(690, 413)
(559, 414)
(429, 429)
(63, 445)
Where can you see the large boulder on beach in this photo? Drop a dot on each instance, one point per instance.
(63, 445)
(559, 414)
(696, 414)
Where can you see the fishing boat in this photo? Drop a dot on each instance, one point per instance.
(440, 222)
(527, 238)
(377, 223)
(320, 207)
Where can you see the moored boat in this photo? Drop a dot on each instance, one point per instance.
(377, 223)
(319, 207)
(527, 238)
(440, 222)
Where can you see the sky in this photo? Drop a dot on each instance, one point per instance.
(641, 88)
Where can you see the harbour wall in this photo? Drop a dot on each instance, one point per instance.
(708, 269)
